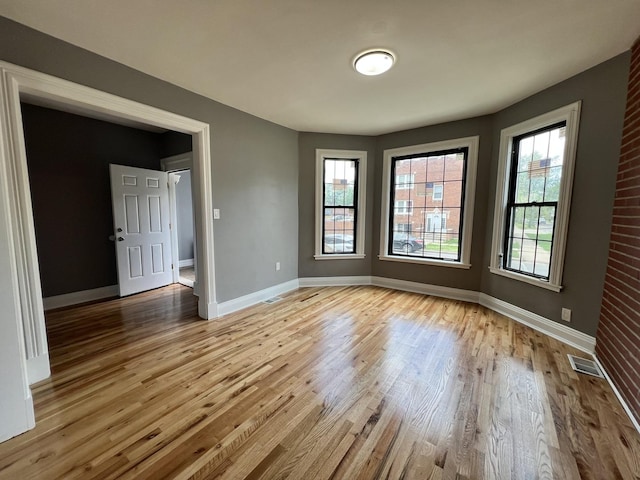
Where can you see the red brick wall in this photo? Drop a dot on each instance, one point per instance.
(618, 336)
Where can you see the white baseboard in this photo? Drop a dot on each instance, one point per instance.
(38, 368)
(426, 289)
(633, 419)
(207, 310)
(83, 296)
(186, 282)
(576, 339)
(245, 301)
(334, 281)
(185, 263)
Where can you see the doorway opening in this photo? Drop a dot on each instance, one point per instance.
(22, 84)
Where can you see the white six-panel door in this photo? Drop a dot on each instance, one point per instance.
(141, 227)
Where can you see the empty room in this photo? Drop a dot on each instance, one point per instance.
(319, 240)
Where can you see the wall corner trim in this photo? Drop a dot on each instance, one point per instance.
(38, 368)
(570, 336)
(224, 308)
(634, 420)
(74, 298)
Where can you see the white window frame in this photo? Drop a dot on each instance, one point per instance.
(472, 144)
(406, 209)
(571, 115)
(437, 187)
(361, 182)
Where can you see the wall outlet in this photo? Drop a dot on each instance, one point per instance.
(277, 266)
(566, 314)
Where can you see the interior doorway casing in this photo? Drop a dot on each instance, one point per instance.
(19, 82)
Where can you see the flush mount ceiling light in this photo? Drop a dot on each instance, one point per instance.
(374, 62)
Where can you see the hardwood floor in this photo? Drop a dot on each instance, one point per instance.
(342, 383)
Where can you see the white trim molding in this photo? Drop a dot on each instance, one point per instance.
(571, 115)
(634, 420)
(75, 298)
(426, 289)
(334, 281)
(225, 308)
(177, 163)
(360, 157)
(570, 336)
(38, 368)
(19, 82)
(185, 263)
(472, 144)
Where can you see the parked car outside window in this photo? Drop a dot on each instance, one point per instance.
(338, 243)
(403, 242)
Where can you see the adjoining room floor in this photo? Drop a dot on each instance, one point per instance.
(187, 276)
(335, 382)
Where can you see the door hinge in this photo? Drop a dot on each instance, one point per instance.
(172, 266)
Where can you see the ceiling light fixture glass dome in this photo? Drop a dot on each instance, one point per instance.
(374, 62)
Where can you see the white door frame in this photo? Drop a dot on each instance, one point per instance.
(174, 165)
(52, 91)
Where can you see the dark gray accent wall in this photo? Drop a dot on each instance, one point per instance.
(437, 275)
(255, 162)
(68, 157)
(602, 90)
(184, 216)
(307, 265)
(175, 143)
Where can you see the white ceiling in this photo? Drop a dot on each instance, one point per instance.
(290, 61)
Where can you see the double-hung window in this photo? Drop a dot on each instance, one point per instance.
(427, 212)
(340, 204)
(533, 197)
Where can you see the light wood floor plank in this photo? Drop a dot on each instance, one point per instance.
(329, 383)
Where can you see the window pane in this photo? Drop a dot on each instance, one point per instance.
(339, 224)
(427, 211)
(535, 178)
(339, 182)
(339, 230)
(552, 188)
(522, 187)
(454, 167)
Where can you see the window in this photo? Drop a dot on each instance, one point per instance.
(437, 192)
(430, 222)
(533, 197)
(340, 209)
(404, 181)
(403, 207)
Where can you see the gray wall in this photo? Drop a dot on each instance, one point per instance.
(255, 162)
(68, 158)
(602, 90)
(184, 214)
(435, 275)
(307, 265)
(174, 143)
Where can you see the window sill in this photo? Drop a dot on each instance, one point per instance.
(523, 278)
(339, 256)
(425, 261)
